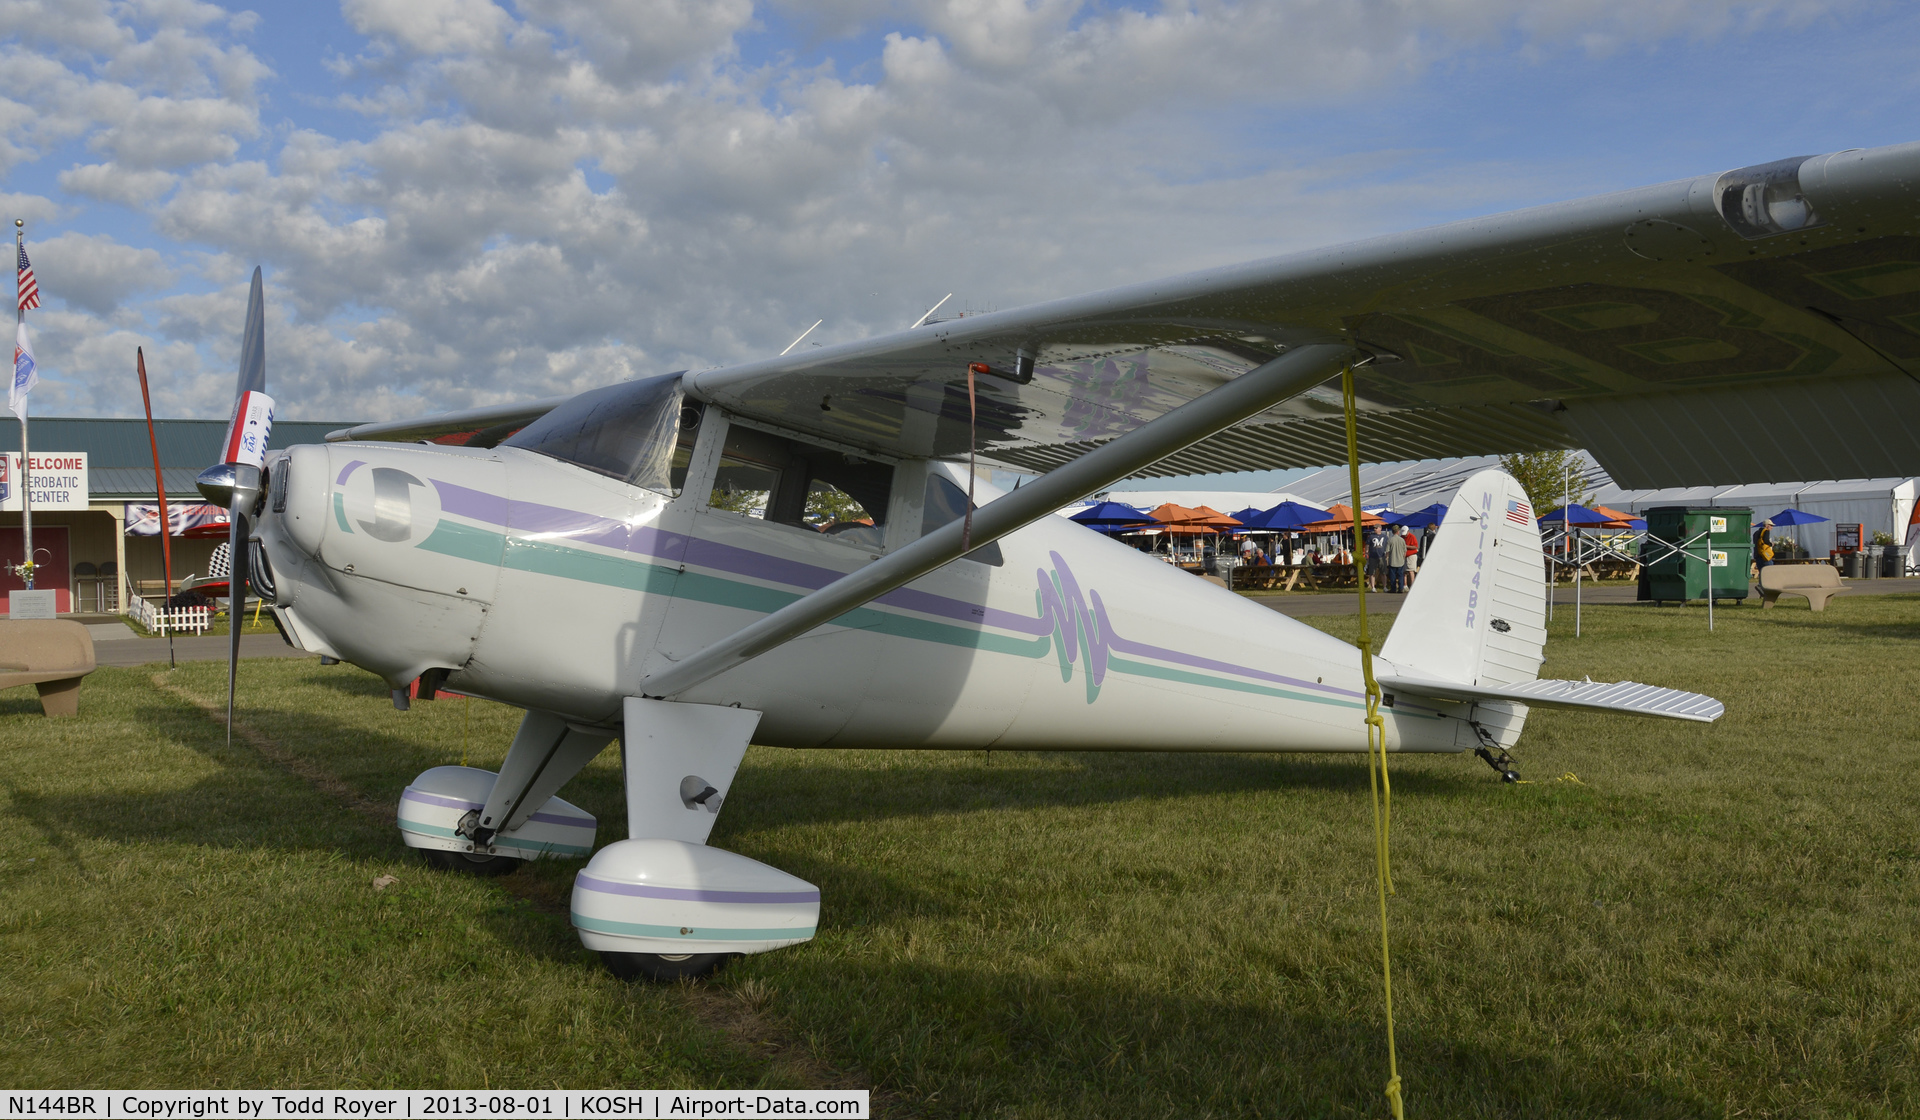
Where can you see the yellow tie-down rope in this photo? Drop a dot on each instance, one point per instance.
(1377, 782)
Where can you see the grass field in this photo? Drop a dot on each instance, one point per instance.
(1667, 920)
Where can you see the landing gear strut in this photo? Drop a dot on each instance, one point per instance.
(1502, 763)
(1493, 754)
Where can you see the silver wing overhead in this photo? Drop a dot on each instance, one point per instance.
(1759, 325)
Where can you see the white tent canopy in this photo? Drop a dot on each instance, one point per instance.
(1882, 505)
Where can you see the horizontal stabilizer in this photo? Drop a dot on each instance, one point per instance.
(1627, 697)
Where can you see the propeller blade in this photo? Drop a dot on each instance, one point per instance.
(234, 482)
(238, 532)
(253, 343)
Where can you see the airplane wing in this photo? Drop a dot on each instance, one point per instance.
(1627, 697)
(472, 427)
(1757, 325)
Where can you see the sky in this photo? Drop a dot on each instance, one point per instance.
(462, 202)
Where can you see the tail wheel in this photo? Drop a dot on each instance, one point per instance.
(472, 863)
(664, 966)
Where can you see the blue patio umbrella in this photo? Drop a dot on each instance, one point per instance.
(1421, 518)
(1577, 516)
(1288, 516)
(1795, 517)
(1111, 517)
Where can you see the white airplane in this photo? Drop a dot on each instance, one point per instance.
(586, 558)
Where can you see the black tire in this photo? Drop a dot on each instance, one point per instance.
(469, 863)
(662, 967)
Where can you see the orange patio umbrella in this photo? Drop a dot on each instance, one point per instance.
(1616, 519)
(1341, 517)
(1178, 519)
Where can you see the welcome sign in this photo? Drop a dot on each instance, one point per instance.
(58, 478)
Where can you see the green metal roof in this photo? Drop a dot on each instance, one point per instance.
(120, 461)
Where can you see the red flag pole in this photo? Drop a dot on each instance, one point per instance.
(160, 489)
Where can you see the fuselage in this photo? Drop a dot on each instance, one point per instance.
(549, 586)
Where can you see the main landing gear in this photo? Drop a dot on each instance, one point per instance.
(661, 905)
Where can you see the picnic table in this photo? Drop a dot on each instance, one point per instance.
(1284, 577)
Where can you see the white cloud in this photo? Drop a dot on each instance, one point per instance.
(95, 272)
(454, 253)
(431, 26)
(109, 182)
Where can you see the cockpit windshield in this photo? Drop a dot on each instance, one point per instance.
(627, 431)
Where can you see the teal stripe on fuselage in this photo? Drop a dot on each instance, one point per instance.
(450, 538)
(566, 562)
(340, 511)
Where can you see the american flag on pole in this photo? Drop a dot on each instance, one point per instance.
(1519, 512)
(29, 287)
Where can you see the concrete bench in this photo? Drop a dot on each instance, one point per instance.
(1818, 582)
(50, 654)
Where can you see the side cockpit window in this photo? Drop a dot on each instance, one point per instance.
(627, 431)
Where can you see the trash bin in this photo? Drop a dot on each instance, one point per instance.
(1852, 564)
(1716, 550)
(1893, 561)
(1871, 568)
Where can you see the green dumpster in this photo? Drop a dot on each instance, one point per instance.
(1715, 550)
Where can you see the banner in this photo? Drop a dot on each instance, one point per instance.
(59, 481)
(196, 520)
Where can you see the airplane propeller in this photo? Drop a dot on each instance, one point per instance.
(234, 482)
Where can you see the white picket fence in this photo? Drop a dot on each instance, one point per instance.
(189, 620)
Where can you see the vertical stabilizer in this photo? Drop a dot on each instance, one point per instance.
(1477, 611)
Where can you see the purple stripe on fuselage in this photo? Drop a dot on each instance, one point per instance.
(347, 470)
(586, 528)
(645, 540)
(679, 894)
(1122, 645)
(476, 504)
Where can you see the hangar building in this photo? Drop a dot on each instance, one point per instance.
(102, 468)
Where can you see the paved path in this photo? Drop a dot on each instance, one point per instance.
(1302, 605)
(142, 651)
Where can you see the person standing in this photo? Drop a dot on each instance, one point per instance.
(1763, 546)
(1396, 562)
(1413, 558)
(1376, 558)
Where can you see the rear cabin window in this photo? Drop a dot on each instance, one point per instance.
(946, 502)
(793, 483)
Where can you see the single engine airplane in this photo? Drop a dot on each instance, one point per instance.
(649, 561)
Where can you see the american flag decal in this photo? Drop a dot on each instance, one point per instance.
(29, 287)
(1519, 512)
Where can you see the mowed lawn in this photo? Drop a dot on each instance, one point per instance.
(1666, 920)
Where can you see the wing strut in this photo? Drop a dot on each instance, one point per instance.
(1252, 392)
